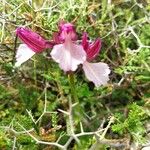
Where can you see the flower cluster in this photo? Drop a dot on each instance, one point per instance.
(66, 51)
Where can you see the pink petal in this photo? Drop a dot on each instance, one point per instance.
(85, 42)
(32, 39)
(96, 72)
(23, 54)
(94, 49)
(68, 55)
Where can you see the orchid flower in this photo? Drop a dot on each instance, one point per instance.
(95, 72)
(33, 43)
(65, 51)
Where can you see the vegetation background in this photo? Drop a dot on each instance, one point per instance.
(35, 112)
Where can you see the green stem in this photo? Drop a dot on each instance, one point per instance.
(33, 29)
(35, 75)
(72, 87)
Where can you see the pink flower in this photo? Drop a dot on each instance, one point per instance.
(34, 43)
(95, 72)
(66, 52)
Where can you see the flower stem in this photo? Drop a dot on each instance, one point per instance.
(35, 75)
(72, 87)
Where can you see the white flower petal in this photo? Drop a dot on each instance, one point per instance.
(68, 55)
(23, 54)
(96, 72)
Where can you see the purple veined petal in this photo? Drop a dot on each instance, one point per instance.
(96, 72)
(94, 49)
(23, 54)
(32, 39)
(85, 42)
(68, 55)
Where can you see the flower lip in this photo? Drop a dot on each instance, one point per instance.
(98, 73)
(69, 55)
(32, 39)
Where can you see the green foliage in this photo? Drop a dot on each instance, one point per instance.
(5, 142)
(4, 93)
(83, 91)
(28, 97)
(134, 123)
(85, 143)
(25, 142)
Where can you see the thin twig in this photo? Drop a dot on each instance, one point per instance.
(14, 144)
(39, 141)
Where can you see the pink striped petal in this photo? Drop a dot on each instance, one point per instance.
(32, 39)
(94, 49)
(68, 55)
(23, 54)
(96, 72)
(85, 42)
